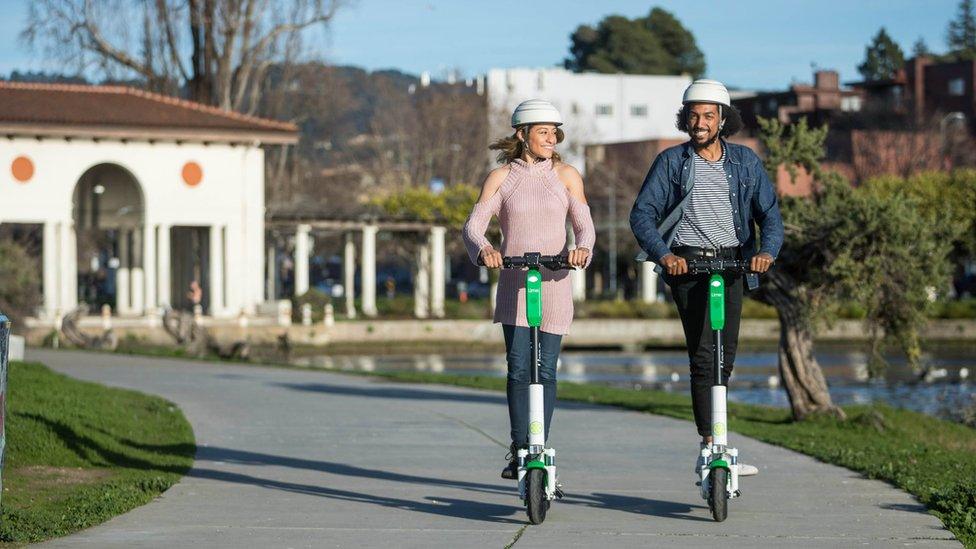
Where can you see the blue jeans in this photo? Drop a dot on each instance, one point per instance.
(518, 352)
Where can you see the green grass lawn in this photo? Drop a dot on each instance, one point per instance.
(79, 453)
(931, 458)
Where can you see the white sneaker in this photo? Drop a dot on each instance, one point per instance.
(747, 470)
(700, 462)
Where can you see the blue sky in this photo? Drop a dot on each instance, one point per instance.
(758, 44)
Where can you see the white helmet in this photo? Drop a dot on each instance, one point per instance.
(707, 91)
(536, 111)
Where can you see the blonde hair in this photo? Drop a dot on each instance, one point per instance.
(511, 148)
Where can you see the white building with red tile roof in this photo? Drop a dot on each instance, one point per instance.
(133, 196)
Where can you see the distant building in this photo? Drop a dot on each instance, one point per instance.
(818, 103)
(915, 121)
(596, 108)
(926, 88)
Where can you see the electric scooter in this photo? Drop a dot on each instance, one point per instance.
(719, 480)
(536, 464)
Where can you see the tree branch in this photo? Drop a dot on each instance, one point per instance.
(243, 72)
(99, 45)
(162, 11)
(264, 42)
(225, 58)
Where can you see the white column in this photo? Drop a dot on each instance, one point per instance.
(368, 270)
(51, 269)
(648, 283)
(577, 276)
(122, 302)
(302, 252)
(149, 267)
(236, 270)
(349, 276)
(163, 272)
(137, 274)
(421, 282)
(437, 260)
(271, 272)
(68, 261)
(216, 270)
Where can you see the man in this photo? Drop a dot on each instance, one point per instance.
(702, 199)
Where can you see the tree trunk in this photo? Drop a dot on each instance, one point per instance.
(801, 373)
(201, 34)
(802, 376)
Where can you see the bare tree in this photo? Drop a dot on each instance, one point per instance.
(437, 132)
(903, 153)
(369, 134)
(614, 176)
(219, 50)
(877, 142)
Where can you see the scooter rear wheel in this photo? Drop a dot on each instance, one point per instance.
(718, 496)
(536, 503)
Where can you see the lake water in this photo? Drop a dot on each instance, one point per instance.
(948, 387)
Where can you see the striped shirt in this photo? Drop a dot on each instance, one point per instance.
(707, 220)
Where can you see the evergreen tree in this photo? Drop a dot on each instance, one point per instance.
(882, 58)
(961, 35)
(920, 48)
(655, 44)
(677, 41)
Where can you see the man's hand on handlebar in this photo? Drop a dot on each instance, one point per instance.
(674, 265)
(677, 266)
(761, 263)
(578, 257)
(491, 258)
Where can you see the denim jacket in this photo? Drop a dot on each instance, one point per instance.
(660, 203)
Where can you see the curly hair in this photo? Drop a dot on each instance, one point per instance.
(731, 116)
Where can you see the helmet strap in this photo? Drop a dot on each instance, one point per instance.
(525, 142)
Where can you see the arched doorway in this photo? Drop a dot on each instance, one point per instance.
(109, 219)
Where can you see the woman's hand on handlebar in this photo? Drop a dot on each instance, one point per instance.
(674, 265)
(578, 257)
(761, 263)
(491, 258)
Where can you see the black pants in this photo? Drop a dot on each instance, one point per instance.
(691, 296)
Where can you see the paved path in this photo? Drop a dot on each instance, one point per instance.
(294, 458)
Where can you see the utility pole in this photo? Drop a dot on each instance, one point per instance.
(612, 274)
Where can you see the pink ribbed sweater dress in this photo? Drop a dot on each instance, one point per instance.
(532, 205)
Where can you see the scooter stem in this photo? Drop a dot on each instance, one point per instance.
(716, 304)
(537, 420)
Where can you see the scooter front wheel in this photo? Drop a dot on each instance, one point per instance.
(718, 496)
(536, 502)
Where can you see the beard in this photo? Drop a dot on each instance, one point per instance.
(704, 144)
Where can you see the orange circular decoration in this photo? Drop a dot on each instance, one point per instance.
(192, 174)
(22, 168)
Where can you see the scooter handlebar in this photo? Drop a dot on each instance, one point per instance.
(718, 265)
(534, 259)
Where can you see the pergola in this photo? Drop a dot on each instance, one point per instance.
(431, 257)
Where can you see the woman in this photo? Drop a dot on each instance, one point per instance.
(532, 194)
